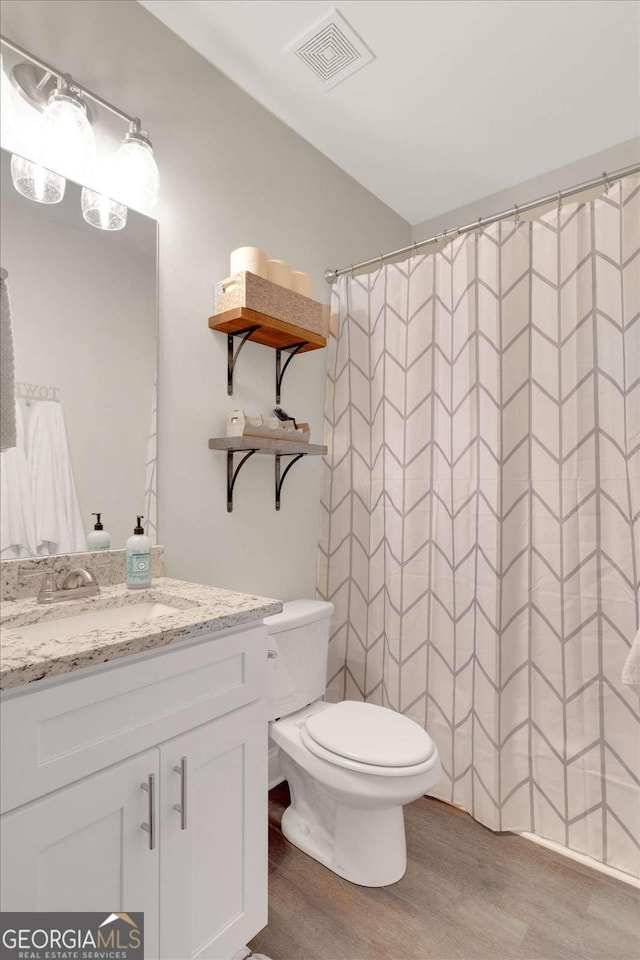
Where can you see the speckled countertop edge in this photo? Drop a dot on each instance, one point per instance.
(203, 609)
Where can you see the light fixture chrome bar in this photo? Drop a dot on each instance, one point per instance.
(516, 211)
(57, 73)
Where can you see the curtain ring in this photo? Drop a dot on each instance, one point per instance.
(516, 215)
(415, 248)
(480, 227)
(381, 260)
(559, 201)
(606, 181)
(351, 271)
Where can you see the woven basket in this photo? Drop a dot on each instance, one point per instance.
(247, 290)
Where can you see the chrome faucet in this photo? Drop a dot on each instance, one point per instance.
(75, 584)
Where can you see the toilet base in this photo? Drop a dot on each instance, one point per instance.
(364, 845)
(378, 870)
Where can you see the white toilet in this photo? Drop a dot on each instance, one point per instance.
(351, 766)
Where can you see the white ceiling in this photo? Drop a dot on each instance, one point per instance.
(464, 97)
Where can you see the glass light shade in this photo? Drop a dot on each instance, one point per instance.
(7, 103)
(36, 182)
(102, 212)
(66, 143)
(133, 175)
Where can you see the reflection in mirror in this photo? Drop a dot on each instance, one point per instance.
(81, 304)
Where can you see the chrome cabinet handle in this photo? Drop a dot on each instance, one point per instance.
(150, 826)
(181, 807)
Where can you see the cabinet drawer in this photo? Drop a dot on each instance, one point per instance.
(57, 735)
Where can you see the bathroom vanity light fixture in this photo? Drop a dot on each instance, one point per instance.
(66, 141)
(133, 172)
(63, 145)
(36, 182)
(102, 212)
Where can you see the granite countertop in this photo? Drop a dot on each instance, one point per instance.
(200, 609)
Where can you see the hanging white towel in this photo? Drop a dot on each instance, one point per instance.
(55, 501)
(7, 370)
(631, 668)
(17, 526)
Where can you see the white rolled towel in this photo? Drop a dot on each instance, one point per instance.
(631, 668)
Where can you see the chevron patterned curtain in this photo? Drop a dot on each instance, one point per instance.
(481, 515)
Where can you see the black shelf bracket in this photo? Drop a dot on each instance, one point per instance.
(232, 475)
(292, 349)
(280, 475)
(232, 357)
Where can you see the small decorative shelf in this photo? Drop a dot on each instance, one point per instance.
(247, 324)
(276, 448)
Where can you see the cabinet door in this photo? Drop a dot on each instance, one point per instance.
(213, 871)
(83, 848)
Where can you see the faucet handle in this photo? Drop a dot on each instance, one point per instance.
(48, 588)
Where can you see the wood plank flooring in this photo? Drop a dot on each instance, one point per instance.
(468, 894)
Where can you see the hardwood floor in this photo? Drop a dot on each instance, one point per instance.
(468, 893)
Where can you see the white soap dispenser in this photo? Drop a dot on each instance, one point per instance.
(138, 558)
(98, 539)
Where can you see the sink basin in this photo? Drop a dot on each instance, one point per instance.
(110, 618)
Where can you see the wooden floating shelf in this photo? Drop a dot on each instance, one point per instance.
(252, 445)
(271, 332)
(243, 323)
(265, 445)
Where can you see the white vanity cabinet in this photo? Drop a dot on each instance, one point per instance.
(213, 872)
(82, 847)
(142, 786)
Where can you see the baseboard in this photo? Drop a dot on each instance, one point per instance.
(581, 858)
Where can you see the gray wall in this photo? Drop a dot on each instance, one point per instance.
(615, 158)
(231, 174)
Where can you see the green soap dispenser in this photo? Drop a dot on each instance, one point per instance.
(138, 558)
(98, 539)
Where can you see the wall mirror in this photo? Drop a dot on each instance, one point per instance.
(84, 317)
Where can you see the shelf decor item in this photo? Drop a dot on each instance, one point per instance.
(245, 289)
(249, 258)
(302, 283)
(241, 425)
(279, 272)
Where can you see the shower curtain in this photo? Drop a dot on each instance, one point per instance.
(481, 515)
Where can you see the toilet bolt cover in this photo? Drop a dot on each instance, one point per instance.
(370, 734)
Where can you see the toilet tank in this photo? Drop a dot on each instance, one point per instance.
(298, 644)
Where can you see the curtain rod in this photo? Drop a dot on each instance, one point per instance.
(48, 69)
(606, 180)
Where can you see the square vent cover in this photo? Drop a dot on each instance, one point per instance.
(332, 50)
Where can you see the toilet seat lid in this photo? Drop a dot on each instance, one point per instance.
(370, 734)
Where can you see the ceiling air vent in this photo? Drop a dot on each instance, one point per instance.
(332, 50)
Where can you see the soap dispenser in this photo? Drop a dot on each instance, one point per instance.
(138, 558)
(98, 539)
